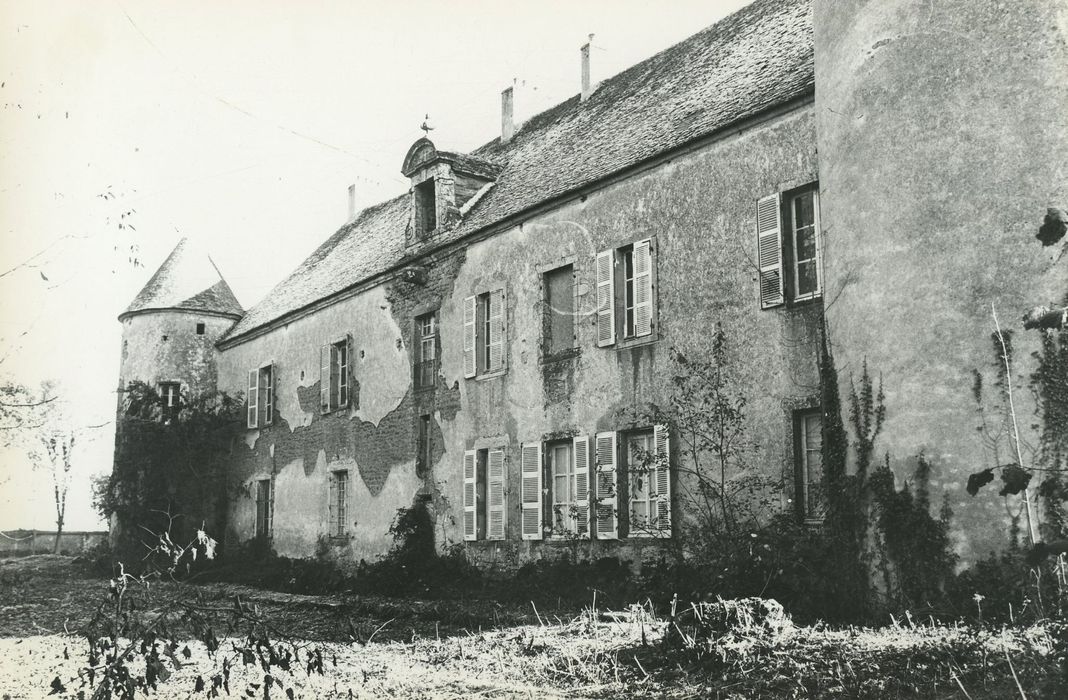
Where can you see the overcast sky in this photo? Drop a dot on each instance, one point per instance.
(240, 125)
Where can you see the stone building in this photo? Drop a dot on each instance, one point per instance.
(478, 343)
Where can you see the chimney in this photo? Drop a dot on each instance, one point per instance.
(352, 202)
(507, 120)
(587, 86)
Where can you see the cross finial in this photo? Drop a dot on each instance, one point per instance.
(426, 125)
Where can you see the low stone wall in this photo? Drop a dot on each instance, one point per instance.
(20, 542)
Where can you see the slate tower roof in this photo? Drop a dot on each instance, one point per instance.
(187, 280)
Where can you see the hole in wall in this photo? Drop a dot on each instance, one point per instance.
(200, 329)
(165, 338)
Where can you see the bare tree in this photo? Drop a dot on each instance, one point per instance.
(50, 447)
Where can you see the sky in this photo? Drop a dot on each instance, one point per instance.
(125, 126)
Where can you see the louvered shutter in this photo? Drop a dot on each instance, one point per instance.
(495, 495)
(662, 483)
(496, 331)
(332, 495)
(606, 515)
(470, 357)
(643, 288)
(581, 452)
(324, 377)
(606, 311)
(470, 498)
(530, 468)
(769, 252)
(253, 398)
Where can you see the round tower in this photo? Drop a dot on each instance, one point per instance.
(942, 141)
(170, 330)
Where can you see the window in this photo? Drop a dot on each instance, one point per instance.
(626, 306)
(424, 445)
(484, 333)
(264, 505)
(170, 401)
(649, 482)
(559, 285)
(200, 329)
(426, 351)
(568, 470)
(484, 497)
(260, 397)
(788, 247)
(808, 450)
(334, 368)
(425, 207)
(339, 503)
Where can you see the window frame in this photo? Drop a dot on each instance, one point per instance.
(802, 466)
(338, 504)
(617, 271)
(550, 351)
(424, 369)
(478, 318)
(485, 494)
(425, 202)
(791, 261)
(260, 399)
(657, 472)
(335, 362)
(778, 265)
(264, 527)
(170, 399)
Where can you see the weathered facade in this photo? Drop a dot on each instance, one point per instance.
(482, 343)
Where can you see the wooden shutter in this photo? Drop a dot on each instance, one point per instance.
(769, 251)
(324, 377)
(606, 310)
(470, 497)
(253, 398)
(495, 495)
(643, 288)
(496, 331)
(332, 496)
(530, 468)
(606, 515)
(662, 482)
(581, 452)
(470, 356)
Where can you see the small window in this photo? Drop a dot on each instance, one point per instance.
(484, 333)
(484, 497)
(200, 329)
(626, 294)
(338, 497)
(559, 287)
(334, 369)
(260, 397)
(264, 505)
(425, 207)
(808, 460)
(170, 401)
(426, 351)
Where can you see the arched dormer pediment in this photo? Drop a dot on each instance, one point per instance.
(421, 153)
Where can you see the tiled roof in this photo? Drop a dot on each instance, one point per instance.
(187, 279)
(751, 61)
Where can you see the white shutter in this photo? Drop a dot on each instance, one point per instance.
(253, 398)
(606, 310)
(769, 251)
(470, 499)
(643, 288)
(530, 468)
(332, 507)
(324, 378)
(606, 515)
(496, 331)
(581, 452)
(470, 356)
(495, 495)
(662, 482)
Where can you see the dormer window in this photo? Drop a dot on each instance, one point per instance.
(426, 219)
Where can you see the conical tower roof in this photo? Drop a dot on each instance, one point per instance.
(187, 279)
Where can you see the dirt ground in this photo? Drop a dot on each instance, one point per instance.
(374, 647)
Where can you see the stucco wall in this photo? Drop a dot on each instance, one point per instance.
(942, 141)
(700, 208)
(183, 357)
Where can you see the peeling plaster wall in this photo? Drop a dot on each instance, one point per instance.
(942, 141)
(700, 208)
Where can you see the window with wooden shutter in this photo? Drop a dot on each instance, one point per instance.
(470, 357)
(769, 252)
(266, 394)
(643, 288)
(470, 497)
(495, 505)
(495, 331)
(325, 382)
(581, 452)
(253, 398)
(531, 490)
(606, 515)
(662, 482)
(606, 312)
